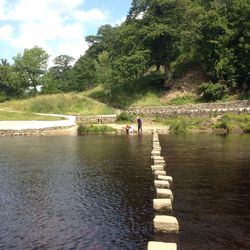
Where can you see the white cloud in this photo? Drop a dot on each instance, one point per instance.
(6, 32)
(74, 48)
(30, 10)
(92, 15)
(58, 26)
(119, 21)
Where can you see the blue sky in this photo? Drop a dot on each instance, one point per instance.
(58, 26)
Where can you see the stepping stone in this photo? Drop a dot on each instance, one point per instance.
(162, 204)
(166, 224)
(157, 157)
(160, 172)
(164, 193)
(157, 167)
(165, 177)
(161, 184)
(156, 245)
(160, 162)
(157, 148)
(156, 153)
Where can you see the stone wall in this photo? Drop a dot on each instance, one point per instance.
(28, 132)
(96, 119)
(202, 109)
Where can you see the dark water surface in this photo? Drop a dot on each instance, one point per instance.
(211, 189)
(95, 192)
(91, 192)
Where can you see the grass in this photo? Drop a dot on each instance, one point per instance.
(71, 103)
(125, 117)
(83, 129)
(178, 126)
(232, 122)
(124, 94)
(182, 100)
(229, 122)
(25, 116)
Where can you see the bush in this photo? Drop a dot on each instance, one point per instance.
(83, 129)
(178, 126)
(224, 123)
(124, 116)
(213, 91)
(2, 97)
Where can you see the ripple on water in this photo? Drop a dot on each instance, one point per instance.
(62, 193)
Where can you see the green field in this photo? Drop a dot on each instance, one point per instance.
(25, 116)
(71, 103)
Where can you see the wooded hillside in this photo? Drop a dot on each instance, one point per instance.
(158, 42)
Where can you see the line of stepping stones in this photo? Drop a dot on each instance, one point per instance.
(163, 201)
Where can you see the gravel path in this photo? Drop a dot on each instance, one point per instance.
(20, 125)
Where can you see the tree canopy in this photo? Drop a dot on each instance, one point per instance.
(158, 36)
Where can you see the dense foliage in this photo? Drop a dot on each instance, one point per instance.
(159, 37)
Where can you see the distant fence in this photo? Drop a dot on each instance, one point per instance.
(96, 119)
(202, 109)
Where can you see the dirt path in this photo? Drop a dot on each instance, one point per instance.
(21, 125)
(69, 127)
(147, 127)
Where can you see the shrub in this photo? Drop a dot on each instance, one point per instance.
(178, 126)
(83, 129)
(124, 116)
(213, 91)
(224, 123)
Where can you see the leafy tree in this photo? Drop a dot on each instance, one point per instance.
(31, 65)
(59, 76)
(104, 71)
(102, 41)
(239, 24)
(10, 85)
(83, 74)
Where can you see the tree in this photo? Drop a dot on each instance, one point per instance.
(31, 65)
(104, 71)
(83, 73)
(10, 85)
(59, 76)
(102, 41)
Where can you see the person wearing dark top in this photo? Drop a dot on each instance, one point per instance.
(139, 123)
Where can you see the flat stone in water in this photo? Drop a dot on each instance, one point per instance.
(162, 204)
(160, 172)
(166, 178)
(164, 193)
(157, 167)
(161, 184)
(166, 224)
(156, 245)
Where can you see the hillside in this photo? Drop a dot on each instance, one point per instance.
(70, 103)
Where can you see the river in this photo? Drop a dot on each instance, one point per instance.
(96, 191)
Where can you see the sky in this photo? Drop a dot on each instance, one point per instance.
(57, 26)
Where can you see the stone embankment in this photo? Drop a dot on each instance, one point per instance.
(164, 223)
(20, 128)
(96, 119)
(202, 109)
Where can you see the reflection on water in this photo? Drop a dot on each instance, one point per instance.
(91, 192)
(211, 189)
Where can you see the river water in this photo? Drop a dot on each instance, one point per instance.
(95, 192)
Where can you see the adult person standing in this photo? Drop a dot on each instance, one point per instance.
(139, 123)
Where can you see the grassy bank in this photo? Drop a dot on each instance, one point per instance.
(25, 116)
(228, 122)
(71, 103)
(84, 129)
